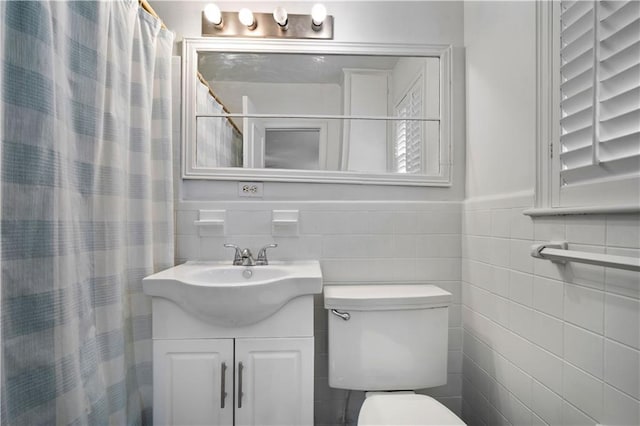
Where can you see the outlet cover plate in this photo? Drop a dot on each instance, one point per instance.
(250, 189)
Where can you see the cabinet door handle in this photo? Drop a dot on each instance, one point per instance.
(240, 367)
(223, 391)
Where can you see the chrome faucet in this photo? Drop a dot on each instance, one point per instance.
(247, 258)
(244, 257)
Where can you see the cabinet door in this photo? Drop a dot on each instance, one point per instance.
(274, 381)
(190, 379)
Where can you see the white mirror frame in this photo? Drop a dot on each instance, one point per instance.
(190, 49)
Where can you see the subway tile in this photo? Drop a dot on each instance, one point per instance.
(548, 296)
(546, 404)
(248, 222)
(520, 384)
(500, 249)
(548, 333)
(584, 349)
(547, 369)
(380, 222)
(620, 409)
(521, 320)
(501, 223)
(520, 256)
(187, 247)
(622, 320)
(587, 229)
(500, 280)
(521, 225)
(582, 390)
(584, 307)
(478, 222)
(345, 246)
(185, 222)
(520, 414)
(438, 246)
(447, 269)
(571, 416)
(622, 368)
(549, 229)
(583, 274)
(478, 248)
(521, 288)
(404, 246)
(620, 281)
(623, 231)
(303, 247)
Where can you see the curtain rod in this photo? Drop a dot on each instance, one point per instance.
(213, 95)
(146, 6)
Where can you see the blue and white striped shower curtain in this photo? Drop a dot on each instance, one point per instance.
(86, 196)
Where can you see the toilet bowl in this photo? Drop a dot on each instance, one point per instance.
(404, 408)
(386, 339)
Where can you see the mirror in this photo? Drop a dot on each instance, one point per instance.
(308, 111)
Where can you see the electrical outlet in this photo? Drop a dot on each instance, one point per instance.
(250, 189)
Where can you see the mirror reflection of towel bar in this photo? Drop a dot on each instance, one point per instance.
(556, 251)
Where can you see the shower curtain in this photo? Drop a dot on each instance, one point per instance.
(86, 196)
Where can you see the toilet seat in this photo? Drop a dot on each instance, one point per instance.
(404, 408)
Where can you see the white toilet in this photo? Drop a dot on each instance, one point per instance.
(389, 340)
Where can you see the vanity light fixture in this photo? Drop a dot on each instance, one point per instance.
(281, 17)
(279, 24)
(213, 14)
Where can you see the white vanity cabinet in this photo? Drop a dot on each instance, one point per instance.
(260, 374)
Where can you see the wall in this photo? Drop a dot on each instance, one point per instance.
(543, 343)
(360, 233)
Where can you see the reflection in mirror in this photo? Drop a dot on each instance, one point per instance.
(285, 111)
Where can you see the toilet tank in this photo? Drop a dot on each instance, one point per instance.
(395, 337)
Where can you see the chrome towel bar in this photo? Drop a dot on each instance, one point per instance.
(556, 251)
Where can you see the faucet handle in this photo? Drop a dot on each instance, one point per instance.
(262, 254)
(237, 257)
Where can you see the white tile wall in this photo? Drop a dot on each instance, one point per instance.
(568, 350)
(365, 242)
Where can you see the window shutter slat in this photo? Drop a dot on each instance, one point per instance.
(579, 63)
(620, 104)
(578, 102)
(574, 24)
(577, 84)
(575, 158)
(578, 47)
(620, 125)
(621, 147)
(620, 60)
(578, 120)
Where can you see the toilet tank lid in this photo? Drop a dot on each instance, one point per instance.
(373, 297)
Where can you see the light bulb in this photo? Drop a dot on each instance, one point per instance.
(281, 17)
(318, 14)
(246, 18)
(213, 14)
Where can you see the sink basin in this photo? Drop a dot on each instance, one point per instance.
(235, 296)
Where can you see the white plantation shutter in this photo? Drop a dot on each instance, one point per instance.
(599, 95)
(408, 152)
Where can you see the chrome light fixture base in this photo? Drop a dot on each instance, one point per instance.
(298, 27)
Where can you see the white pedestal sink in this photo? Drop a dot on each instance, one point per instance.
(233, 296)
